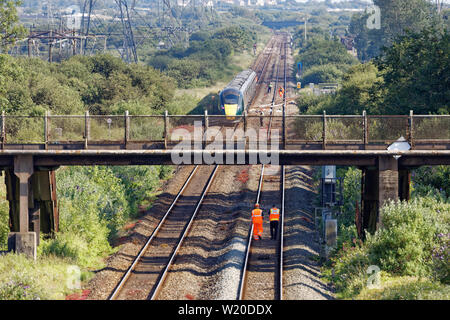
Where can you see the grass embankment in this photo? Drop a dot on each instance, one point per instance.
(407, 258)
(96, 205)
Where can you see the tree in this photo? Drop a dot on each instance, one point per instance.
(10, 30)
(397, 18)
(362, 89)
(416, 71)
(321, 51)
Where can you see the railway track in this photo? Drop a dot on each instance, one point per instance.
(146, 276)
(262, 272)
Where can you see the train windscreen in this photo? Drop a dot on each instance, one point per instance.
(230, 98)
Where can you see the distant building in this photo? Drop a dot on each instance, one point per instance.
(349, 43)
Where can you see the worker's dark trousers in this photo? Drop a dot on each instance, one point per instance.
(273, 229)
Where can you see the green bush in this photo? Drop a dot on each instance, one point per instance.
(413, 242)
(406, 288)
(441, 258)
(348, 269)
(44, 279)
(76, 248)
(322, 74)
(96, 83)
(140, 183)
(429, 180)
(320, 51)
(97, 193)
(404, 245)
(4, 217)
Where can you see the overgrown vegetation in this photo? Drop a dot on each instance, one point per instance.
(207, 58)
(101, 84)
(411, 243)
(411, 249)
(96, 202)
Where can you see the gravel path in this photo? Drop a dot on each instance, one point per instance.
(208, 264)
(301, 271)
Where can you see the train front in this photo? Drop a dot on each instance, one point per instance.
(230, 101)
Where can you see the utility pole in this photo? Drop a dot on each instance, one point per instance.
(129, 45)
(306, 29)
(88, 24)
(439, 4)
(306, 19)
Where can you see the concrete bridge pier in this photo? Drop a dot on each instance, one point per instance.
(22, 240)
(32, 205)
(379, 185)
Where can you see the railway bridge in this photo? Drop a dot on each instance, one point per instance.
(32, 148)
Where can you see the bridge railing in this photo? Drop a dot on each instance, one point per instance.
(316, 131)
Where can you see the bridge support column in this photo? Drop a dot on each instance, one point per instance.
(24, 241)
(404, 190)
(379, 185)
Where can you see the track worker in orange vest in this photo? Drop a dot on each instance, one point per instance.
(257, 220)
(274, 217)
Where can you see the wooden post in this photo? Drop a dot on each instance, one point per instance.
(86, 129)
(324, 132)
(205, 128)
(74, 44)
(245, 130)
(245, 122)
(411, 129)
(127, 128)
(365, 128)
(206, 120)
(50, 48)
(3, 132)
(166, 128)
(46, 129)
(284, 126)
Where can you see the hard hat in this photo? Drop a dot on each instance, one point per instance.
(256, 205)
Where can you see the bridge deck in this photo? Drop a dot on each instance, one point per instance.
(55, 140)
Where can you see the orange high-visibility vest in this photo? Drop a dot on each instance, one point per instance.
(274, 214)
(257, 215)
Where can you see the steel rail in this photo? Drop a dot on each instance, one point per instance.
(242, 281)
(281, 226)
(124, 279)
(183, 236)
(186, 229)
(283, 186)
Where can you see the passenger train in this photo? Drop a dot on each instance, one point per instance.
(238, 94)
